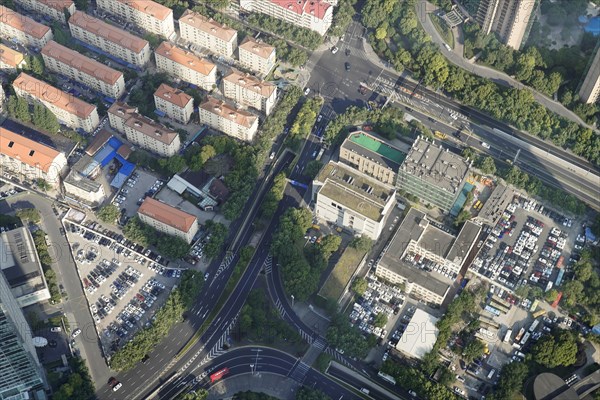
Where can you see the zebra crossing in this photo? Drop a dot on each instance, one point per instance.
(268, 265)
(299, 372)
(280, 308)
(223, 266)
(338, 357)
(320, 343)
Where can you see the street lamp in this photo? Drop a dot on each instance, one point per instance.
(292, 300)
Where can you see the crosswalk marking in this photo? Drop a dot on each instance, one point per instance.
(299, 372)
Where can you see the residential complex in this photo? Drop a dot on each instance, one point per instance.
(510, 19)
(97, 76)
(225, 118)
(197, 29)
(186, 66)
(22, 29)
(145, 14)
(590, 88)
(434, 175)
(10, 60)
(174, 103)
(257, 56)
(167, 219)
(352, 200)
(68, 109)
(419, 240)
(109, 38)
(250, 91)
(21, 374)
(372, 156)
(55, 9)
(29, 159)
(21, 267)
(142, 131)
(316, 15)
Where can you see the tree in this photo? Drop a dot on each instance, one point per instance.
(473, 350)
(173, 164)
(305, 393)
(487, 165)
(312, 169)
(510, 381)
(556, 350)
(218, 234)
(173, 247)
(551, 295)
(200, 394)
(359, 285)
(380, 320)
(37, 66)
(108, 213)
(462, 217)
(43, 184)
(469, 152)
(329, 245)
(29, 214)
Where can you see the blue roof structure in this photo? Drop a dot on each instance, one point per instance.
(593, 26)
(460, 200)
(160, 113)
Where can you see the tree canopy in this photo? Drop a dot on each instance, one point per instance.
(556, 350)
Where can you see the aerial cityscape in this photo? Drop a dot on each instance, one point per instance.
(299, 199)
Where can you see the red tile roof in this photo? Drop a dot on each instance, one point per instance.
(26, 150)
(167, 214)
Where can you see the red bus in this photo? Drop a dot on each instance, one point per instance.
(218, 375)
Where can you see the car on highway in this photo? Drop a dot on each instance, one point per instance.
(334, 50)
(272, 155)
(314, 154)
(485, 145)
(347, 66)
(320, 118)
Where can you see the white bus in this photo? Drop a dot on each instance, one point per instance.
(507, 336)
(386, 377)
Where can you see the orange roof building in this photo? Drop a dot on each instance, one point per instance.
(26, 31)
(175, 103)
(54, 9)
(145, 14)
(248, 90)
(69, 109)
(225, 118)
(186, 66)
(10, 59)
(110, 39)
(30, 160)
(167, 219)
(257, 56)
(208, 33)
(316, 15)
(78, 67)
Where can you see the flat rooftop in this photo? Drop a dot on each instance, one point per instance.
(435, 165)
(19, 257)
(84, 183)
(354, 190)
(495, 205)
(464, 242)
(366, 145)
(420, 335)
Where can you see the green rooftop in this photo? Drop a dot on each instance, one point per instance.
(381, 148)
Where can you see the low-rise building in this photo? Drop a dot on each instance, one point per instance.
(55, 9)
(147, 15)
(316, 15)
(167, 219)
(250, 91)
(425, 258)
(420, 335)
(68, 109)
(186, 66)
(197, 29)
(257, 56)
(433, 174)
(226, 118)
(106, 37)
(11, 60)
(91, 73)
(142, 131)
(30, 160)
(21, 267)
(22, 29)
(175, 103)
(352, 200)
(83, 189)
(372, 156)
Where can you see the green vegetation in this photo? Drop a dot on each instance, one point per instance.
(197, 156)
(7, 221)
(555, 350)
(170, 314)
(487, 165)
(305, 393)
(172, 165)
(380, 320)
(35, 65)
(463, 216)
(260, 322)
(43, 184)
(29, 214)
(342, 16)
(510, 381)
(305, 119)
(141, 96)
(473, 350)
(361, 243)
(414, 379)
(312, 169)
(108, 213)
(443, 29)
(274, 196)
(39, 239)
(342, 335)
(79, 384)
(341, 274)
(359, 285)
(252, 396)
(302, 36)
(218, 234)
(40, 116)
(322, 362)
(411, 48)
(580, 295)
(170, 246)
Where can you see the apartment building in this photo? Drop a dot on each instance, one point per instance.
(352, 200)
(175, 103)
(589, 92)
(83, 189)
(197, 29)
(231, 121)
(434, 175)
(372, 156)
(142, 131)
(109, 38)
(257, 56)
(186, 66)
(250, 91)
(167, 219)
(91, 73)
(316, 15)
(22, 29)
(510, 19)
(55, 9)
(145, 14)
(30, 160)
(68, 109)
(11, 60)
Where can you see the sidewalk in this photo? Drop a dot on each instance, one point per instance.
(272, 385)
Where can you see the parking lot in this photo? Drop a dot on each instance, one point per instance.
(140, 185)
(124, 282)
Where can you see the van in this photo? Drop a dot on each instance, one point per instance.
(365, 390)
(491, 374)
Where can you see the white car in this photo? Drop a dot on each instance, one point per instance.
(272, 156)
(306, 91)
(55, 329)
(320, 118)
(76, 333)
(334, 50)
(485, 145)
